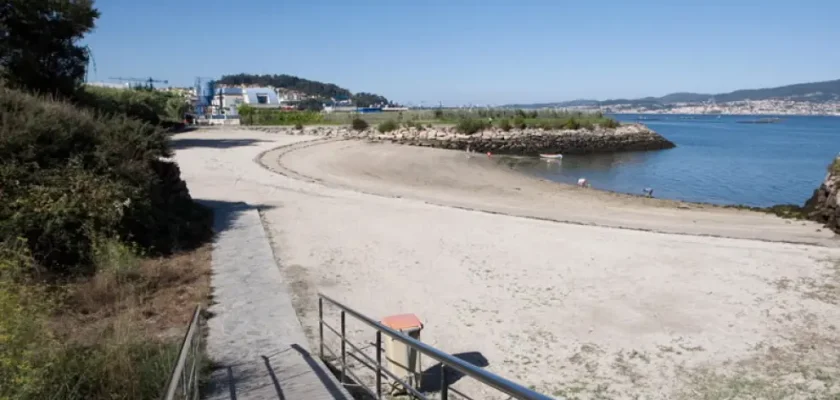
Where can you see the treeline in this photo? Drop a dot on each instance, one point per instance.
(306, 86)
(86, 192)
(323, 91)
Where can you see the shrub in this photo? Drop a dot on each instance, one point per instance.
(259, 116)
(359, 124)
(519, 120)
(387, 126)
(572, 123)
(505, 125)
(438, 113)
(471, 126)
(25, 340)
(299, 127)
(149, 106)
(69, 176)
(117, 367)
(610, 123)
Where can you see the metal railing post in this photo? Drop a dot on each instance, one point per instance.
(198, 365)
(444, 386)
(321, 324)
(378, 364)
(447, 361)
(343, 348)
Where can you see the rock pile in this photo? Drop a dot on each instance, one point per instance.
(824, 205)
(527, 142)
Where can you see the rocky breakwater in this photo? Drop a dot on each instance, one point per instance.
(531, 142)
(526, 142)
(824, 205)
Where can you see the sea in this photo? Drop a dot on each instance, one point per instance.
(718, 159)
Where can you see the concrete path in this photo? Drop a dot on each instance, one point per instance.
(255, 339)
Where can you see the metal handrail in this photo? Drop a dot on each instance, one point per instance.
(503, 385)
(178, 378)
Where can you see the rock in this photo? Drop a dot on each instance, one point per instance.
(824, 205)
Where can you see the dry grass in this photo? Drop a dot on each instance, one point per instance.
(153, 297)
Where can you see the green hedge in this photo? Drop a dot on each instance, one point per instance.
(260, 116)
(69, 176)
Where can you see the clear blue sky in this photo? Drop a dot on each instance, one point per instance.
(477, 51)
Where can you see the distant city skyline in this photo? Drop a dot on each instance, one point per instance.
(464, 52)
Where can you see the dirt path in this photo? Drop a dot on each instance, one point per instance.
(574, 310)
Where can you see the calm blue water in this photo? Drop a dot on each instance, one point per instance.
(716, 160)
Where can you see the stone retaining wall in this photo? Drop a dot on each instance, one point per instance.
(627, 137)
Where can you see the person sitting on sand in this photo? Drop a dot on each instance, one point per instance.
(648, 192)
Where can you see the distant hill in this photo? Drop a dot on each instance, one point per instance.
(815, 91)
(305, 86)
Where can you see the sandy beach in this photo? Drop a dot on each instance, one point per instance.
(575, 292)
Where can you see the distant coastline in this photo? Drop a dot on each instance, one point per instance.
(735, 114)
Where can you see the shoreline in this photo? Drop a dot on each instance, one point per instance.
(448, 178)
(771, 209)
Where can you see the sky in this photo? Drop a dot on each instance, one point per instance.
(476, 51)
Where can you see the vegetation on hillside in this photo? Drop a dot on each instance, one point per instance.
(322, 91)
(87, 203)
(306, 86)
(149, 106)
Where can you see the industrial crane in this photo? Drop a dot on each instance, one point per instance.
(148, 81)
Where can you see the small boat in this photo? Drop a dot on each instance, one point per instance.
(551, 156)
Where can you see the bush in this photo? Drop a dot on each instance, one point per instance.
(610, 123)
(505, 125)
(259, 116)
(115, 368)
(25, 340)
(471, 126)
(359, 124)
(299, 127)
(149, 106)
(69, 176)
(572, 123)
(519, 121)
(387, 126)
(438, 114)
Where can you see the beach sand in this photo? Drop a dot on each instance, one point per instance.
(688, 301)
(452, 179)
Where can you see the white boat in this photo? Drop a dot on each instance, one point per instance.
(551, 156)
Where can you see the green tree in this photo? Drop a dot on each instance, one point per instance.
(363, 99)
(311, 105)
(38, 44)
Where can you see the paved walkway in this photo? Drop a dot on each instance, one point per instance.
(254, 336)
